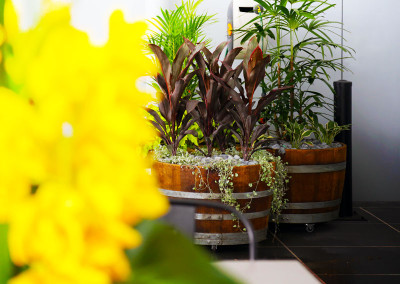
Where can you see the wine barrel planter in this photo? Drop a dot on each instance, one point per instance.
(315, 186)
(214, 226)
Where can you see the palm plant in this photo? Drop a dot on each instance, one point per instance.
(302, 54)
(172, 26)
(245, 128)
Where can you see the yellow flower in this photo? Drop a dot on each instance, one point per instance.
(59, 230)
(10, 20)
(20, 163)
(80, 142)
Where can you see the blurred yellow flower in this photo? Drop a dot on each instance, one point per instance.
(75, 239)
(20, 163)
(78, 137)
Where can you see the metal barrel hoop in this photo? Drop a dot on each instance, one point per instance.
(312, 217)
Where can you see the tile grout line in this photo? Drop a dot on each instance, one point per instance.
(359, 274)
(387, 224)
(309, 269)
(342, 247)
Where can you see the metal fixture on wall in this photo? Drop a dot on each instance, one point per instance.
(343, 115)
(239, 13)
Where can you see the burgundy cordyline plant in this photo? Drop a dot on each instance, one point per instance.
(245, 115)
(225, 106)
(172, 81)
(212, 112)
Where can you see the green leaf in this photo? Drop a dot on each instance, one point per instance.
(262, 3)
(283, 10)
(6, 266)
(271, 34)
(307, 15)
(260, 29)
(307, 133)
(167, 257)
(247, 36)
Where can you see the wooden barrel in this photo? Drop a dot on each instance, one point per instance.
(315, 186)
(215, 226)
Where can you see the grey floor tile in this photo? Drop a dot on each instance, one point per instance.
(377, 204)
(389, 215)
(365, 215)
(350, 260)
(340, 234)
(396, 225)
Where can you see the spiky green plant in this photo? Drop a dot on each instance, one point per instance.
(172, 26)
(301, 42)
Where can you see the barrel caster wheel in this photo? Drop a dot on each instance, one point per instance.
(310, 228)
(214, 247)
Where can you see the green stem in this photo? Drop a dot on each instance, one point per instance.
(278, 45)
(291, 77)
(6, 266)
(3, 75)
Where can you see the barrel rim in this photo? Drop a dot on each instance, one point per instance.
(316, 168)
(303, 218)
(344, 147)
(228, 238)
(312, 204)
(214, 195)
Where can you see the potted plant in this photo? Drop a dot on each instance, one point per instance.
(301, 47)
(223, 110)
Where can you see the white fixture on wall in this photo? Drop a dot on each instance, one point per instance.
(240, 12)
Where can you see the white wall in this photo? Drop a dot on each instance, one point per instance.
(376, 95)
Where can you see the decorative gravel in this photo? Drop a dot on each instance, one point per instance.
(282, 145)
(236, 160)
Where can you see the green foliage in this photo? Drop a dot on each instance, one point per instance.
(300, 41)
(326, 134)
(167, 257)
(297, 132)
(277, 181)
(6, 265)
(172, 26)
(3, 48)
(225, 181)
